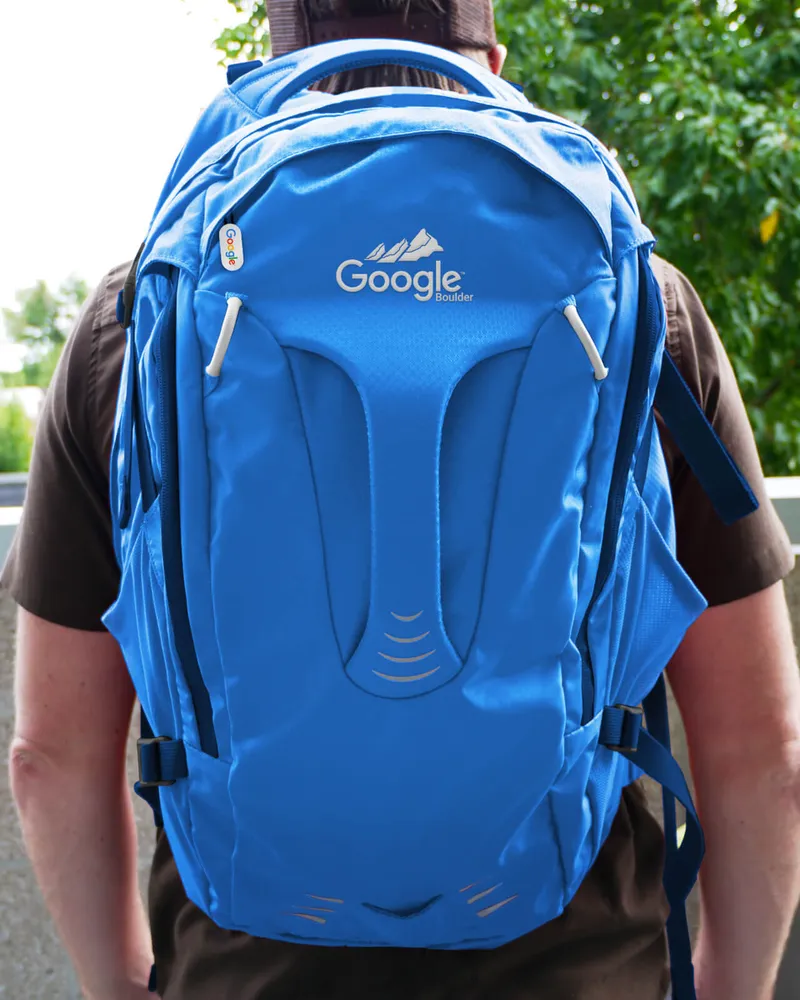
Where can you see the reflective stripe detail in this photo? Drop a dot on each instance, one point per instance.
(405, 618)
(416, 638)
(493, 909)
(398, 678)
(408, 659)
(486, 892)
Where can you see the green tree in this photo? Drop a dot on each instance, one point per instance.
(41, 323)
(250, 38)
(700, 101)
(16, 438)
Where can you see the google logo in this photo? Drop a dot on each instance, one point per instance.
(231, 251)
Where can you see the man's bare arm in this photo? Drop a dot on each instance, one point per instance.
(737, 684)
(73, 708)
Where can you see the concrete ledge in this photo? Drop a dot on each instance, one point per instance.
(9, 519)
(785, 494)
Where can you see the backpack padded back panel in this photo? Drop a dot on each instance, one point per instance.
(384, 520)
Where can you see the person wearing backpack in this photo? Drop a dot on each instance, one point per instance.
(378, 497)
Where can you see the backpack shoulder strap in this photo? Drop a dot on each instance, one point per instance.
(708, 458)
(649, 749)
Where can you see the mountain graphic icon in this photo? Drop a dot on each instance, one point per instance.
(395, 253)
(423, 245)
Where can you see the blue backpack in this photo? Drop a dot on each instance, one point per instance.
(393, 519)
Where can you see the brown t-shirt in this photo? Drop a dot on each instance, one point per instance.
(609, 942)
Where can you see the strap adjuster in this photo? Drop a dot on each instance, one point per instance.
(162, 761)
(621, 726)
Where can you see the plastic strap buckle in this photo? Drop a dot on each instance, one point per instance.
(157, 770)
(623, 724)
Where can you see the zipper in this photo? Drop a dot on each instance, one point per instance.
(648, 338)
(530, 114)
(240, 206)
(267, 127)
(174, 581)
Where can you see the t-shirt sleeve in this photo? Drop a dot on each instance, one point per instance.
(62, 565)
(730, 562)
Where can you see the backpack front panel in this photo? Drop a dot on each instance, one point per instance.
(392, 506)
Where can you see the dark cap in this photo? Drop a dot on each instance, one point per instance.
(464, 24)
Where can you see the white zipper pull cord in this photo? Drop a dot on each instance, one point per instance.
(214, 368)
(577, 324)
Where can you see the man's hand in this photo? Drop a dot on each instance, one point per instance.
(736, 680)
(73, 708)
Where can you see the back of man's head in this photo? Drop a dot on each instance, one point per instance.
(466, 26)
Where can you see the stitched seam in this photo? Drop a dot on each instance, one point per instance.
(155, 565)
(245, 107)
(169, 258)
(574, 296)
(640, 241)
(559, 846)
(318, 505)
(496, 492)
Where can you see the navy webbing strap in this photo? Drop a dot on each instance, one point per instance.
(699, 444)
(127, 296)
(125, 303)
(162, 761)
(147, 479)
(235, 70)
(649, 750)
(145, 729)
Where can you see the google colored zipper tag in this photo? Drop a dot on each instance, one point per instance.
(231, 249)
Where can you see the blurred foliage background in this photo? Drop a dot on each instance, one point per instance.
(16, 437)
(700, 100)
(41, 323)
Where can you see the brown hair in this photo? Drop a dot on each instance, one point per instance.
(411, 12)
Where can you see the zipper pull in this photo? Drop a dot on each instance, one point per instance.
(235, 303)
(573, 318)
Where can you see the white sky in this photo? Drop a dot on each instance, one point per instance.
(96, 99)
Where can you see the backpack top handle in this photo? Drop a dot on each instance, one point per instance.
(321, 61)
